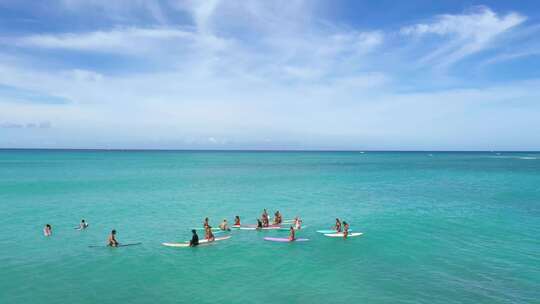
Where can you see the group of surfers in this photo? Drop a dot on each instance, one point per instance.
(342, 227)
(263, 222)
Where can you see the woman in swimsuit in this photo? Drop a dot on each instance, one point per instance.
(337, 227)
(345, 230)
(297, 223)
(47, 231)
(205, 223)
(112, 239)
(291, 234)
(237, 221)
(209, 235)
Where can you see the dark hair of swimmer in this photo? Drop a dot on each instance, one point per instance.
(113, 231)
(193, 231)
(82, 221)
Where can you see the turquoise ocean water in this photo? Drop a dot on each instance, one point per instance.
(438, 227)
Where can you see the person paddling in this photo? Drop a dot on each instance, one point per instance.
(237, 221)
(345, 229)
(47, 230)
(194, 239)
(337, 227)
(83, 224)
(112, 239)
(291, 234)
(224, 226)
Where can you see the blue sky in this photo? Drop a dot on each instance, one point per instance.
(412, 75)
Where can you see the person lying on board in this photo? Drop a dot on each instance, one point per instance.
(237, 221)
(224, 226)
(291, 234)
(208, 234)
(337, 227)
(112, 239)
(194, 239)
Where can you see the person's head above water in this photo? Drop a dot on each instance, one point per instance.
(224, 220)
(48, 226)
(113, 231)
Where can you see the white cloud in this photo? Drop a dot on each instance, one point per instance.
(467, 33)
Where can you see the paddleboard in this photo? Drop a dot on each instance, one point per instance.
(201, 242)
(330, 231)
(340, 234)
(284, 240)
(120, 245)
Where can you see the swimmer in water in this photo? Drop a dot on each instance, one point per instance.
(194, 239)
(208, 234)
(237, 221)
(83, 225)
(47, 230)
(112, 242)
(345, 229)
(291, 234)
(337, 227)
(224, 226)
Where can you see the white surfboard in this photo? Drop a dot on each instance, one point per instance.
(340, 234)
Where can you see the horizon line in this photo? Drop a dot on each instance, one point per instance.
(259, 150)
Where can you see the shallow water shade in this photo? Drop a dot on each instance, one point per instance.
(438, 227)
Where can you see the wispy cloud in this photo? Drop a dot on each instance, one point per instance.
(464, 34)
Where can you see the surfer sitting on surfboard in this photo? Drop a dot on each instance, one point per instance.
(337, 227)
(205, 223)
(297, 223)
(277, 218)
(291, 234)
(112, 239)
(264, 218)
(208, 234)
(47, 230)
(83, 224)
(237, 220)
(194, 239)
(259, 224)
(345, 229)
(224, 226)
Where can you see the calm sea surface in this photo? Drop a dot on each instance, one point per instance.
(438, 227)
